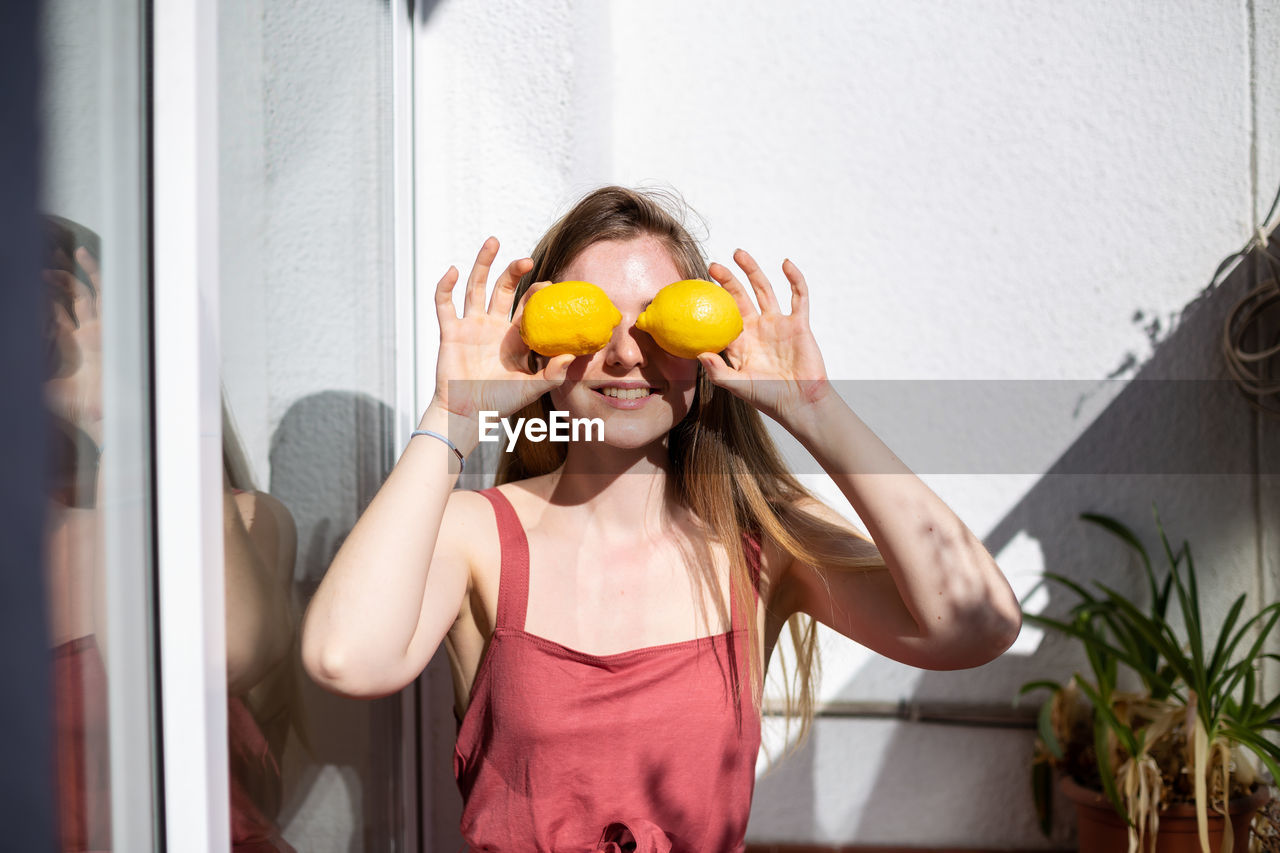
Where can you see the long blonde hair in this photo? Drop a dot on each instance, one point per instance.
(725, 466)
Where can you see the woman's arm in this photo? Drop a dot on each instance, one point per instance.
(397, 583)
(941, 603)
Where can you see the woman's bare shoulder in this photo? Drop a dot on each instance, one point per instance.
(529, 497)
(271, 528)
(530, 489)
(258, 506)
(822, 530)
(470, 522)
(465, 512)
(823, 527)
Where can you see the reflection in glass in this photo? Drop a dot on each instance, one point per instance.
(260, 543)
(99, 560)
(75, 536)
(306, 296)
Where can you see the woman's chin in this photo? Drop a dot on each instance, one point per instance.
(619, 435)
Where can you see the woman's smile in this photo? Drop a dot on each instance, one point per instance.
(626, 395)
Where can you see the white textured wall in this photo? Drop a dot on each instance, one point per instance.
(979, 191)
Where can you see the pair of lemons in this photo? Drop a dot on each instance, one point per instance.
(685, 318)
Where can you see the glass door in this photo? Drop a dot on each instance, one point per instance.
(312, 366)
(229, 290)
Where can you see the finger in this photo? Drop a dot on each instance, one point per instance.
(557, 369)
(518, 315)
(90, 265)
(473, 301)
(759, 282)
(445, 312)
(504, 292)
(60, 260)
(533, 288)
(62, 284)
(725, 278)
(61, 279)
(799, 290)
(717, 371)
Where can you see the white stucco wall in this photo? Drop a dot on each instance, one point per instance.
(980, 191)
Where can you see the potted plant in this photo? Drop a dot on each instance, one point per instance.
(1163, 726)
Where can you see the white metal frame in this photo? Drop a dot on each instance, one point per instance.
(407, 404)
(188, 426)
(124, 501)
(429, 190)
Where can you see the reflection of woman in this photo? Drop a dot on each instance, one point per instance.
(599, 702)
(259, 543)
(74, 557)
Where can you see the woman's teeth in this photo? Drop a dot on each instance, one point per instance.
(626, 393)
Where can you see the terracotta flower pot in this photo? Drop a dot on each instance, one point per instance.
(1101, 830)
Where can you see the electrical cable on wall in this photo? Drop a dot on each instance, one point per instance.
(1250, 345)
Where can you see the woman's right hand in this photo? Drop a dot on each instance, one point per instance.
(482, 365)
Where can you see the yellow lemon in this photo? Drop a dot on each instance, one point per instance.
(691, 317)
(568, 317)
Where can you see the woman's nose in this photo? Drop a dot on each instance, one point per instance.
(626, 348)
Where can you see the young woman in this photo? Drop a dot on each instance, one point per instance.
(610, 607)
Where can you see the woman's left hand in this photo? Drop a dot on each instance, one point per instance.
(776, 365)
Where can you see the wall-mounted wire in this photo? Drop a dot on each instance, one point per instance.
(1250, 344)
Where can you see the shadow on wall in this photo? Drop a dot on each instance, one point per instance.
(328, 457)
(1188, 446)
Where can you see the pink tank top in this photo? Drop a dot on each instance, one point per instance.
(566, 752)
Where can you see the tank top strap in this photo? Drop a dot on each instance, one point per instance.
(513, 574)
